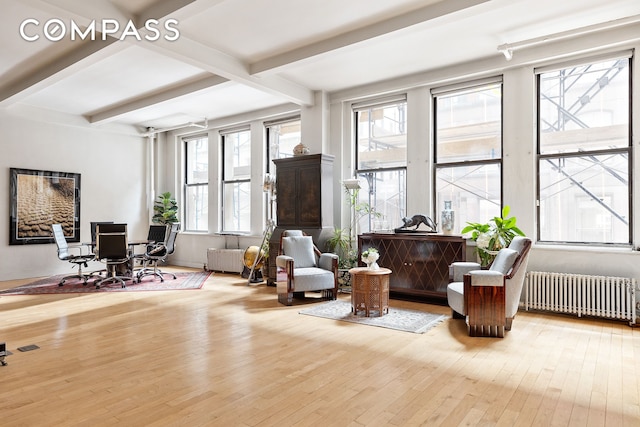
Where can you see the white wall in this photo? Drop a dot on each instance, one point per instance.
(113, 177)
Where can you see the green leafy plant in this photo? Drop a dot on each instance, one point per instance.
(492, 236)
(165, 209)
(340, 244)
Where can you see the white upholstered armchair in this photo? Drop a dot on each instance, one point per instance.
(489, 299)
(301, 267)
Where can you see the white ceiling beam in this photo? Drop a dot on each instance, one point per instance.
(85, 51)
(425, 14)
(216, 62)
(82, 12)
(31, 81)
(176, 9)
(114, 112)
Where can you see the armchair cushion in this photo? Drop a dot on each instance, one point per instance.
(455, 297)
(310, 279)
(519, 243)
(300, 248)
(504, 261)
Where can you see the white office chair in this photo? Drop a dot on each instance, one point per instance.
(64, 254)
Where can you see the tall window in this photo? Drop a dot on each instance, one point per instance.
(468, 150)
(236, 181)
(282, 136)
(196, 191)
(584, 153)
(381, 141)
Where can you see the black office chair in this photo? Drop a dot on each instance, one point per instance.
(94, 228)
(157, 235)
(112, 248)
(64, 254)
(158, 253)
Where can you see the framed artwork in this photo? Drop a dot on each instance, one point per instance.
(39, 199)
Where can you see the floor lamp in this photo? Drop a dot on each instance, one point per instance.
(353, 186)
(268, 186)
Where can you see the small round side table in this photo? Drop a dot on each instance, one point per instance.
(370, 290)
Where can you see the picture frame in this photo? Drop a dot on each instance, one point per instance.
(40, 198)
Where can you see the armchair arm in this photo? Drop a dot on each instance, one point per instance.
(328, 261)
(282, 260)
(486, 278)
(457, 270)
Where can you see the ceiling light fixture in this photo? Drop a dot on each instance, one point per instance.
(152, 131)
(507, 48)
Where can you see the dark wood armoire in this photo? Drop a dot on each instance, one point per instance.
(304, 201)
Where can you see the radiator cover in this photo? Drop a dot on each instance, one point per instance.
(225, 260)
(581, 294)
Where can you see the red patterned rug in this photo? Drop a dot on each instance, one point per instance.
(49, 285)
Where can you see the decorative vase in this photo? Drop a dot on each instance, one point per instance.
(300, 150)
(447, 219)
(372, 261)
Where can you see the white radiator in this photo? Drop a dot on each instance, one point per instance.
(601, 296)
(225, 260)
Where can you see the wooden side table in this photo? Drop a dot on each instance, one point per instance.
(370, 290)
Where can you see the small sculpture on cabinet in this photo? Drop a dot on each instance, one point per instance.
(415, 221)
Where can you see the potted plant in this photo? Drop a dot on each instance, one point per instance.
(492, 236)
(340, 244)
(165, 209)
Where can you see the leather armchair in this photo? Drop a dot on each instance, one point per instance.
(302, 267)
(489, 299)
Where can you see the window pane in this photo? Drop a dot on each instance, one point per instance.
(282, 138)
(196, 189)
(197, 211)
(385, 192)
(585, 199)
(237, 155)
(197, 160)
(237, 203)
(468, 125)
(585, 108)
(475, 192)
(382, 137)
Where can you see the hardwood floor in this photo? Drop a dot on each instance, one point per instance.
(230, 355)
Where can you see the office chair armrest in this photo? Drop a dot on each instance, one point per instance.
(79, 247)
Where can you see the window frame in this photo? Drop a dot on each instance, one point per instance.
(189, 185)
(363, 172)
(627, 149)
(224, 181)
(441, 165)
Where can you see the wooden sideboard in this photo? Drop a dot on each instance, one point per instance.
(419, 261)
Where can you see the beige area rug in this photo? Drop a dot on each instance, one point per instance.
(400, 319)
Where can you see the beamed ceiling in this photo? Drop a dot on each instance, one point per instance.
(235, 56)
